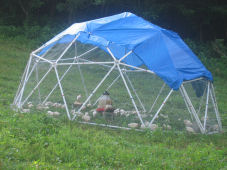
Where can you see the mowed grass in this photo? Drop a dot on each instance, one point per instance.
(30, 141)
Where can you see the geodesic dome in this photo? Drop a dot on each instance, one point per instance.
(153, 78)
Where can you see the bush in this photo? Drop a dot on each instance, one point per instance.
(10, 31)
(39, 34)
(213, 55)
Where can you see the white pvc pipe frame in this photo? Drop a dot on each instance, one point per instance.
(20, 90)
(115, 63)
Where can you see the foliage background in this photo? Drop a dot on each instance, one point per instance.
(202, 20)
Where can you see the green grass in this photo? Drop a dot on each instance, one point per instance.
(30, 141)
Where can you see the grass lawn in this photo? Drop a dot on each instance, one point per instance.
(30, 141)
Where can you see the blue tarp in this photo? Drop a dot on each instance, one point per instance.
(161, 50)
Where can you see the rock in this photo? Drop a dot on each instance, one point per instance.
(133, 125)
(42, 107)
(153, 127)
(188, 123)
(50, 113)
(25, 110)
(190, 129)
(56, 113)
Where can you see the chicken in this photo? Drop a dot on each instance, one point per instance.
(153, 126)
(77, 103)
(188, 123)
(56, 113)
(142, 126)
(78, 97)
(86, 117)
(50, 113)
(25, 110)
(94, 113)
(190, 129)
(49, 103)
(41, 107)
(30, 105)
(133, 125)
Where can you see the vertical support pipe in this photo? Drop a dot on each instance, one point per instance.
(192, 109)
(185, 101)
(29, 75)
(201, 100)
(214, 101)
(130, 95)
(56, 84)
(134, 90)
(206, 109)
(160, 108)
(81, 74)
(20, 85)
(157, 97)
(37, 80)
(25, 81)
(62, 93)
